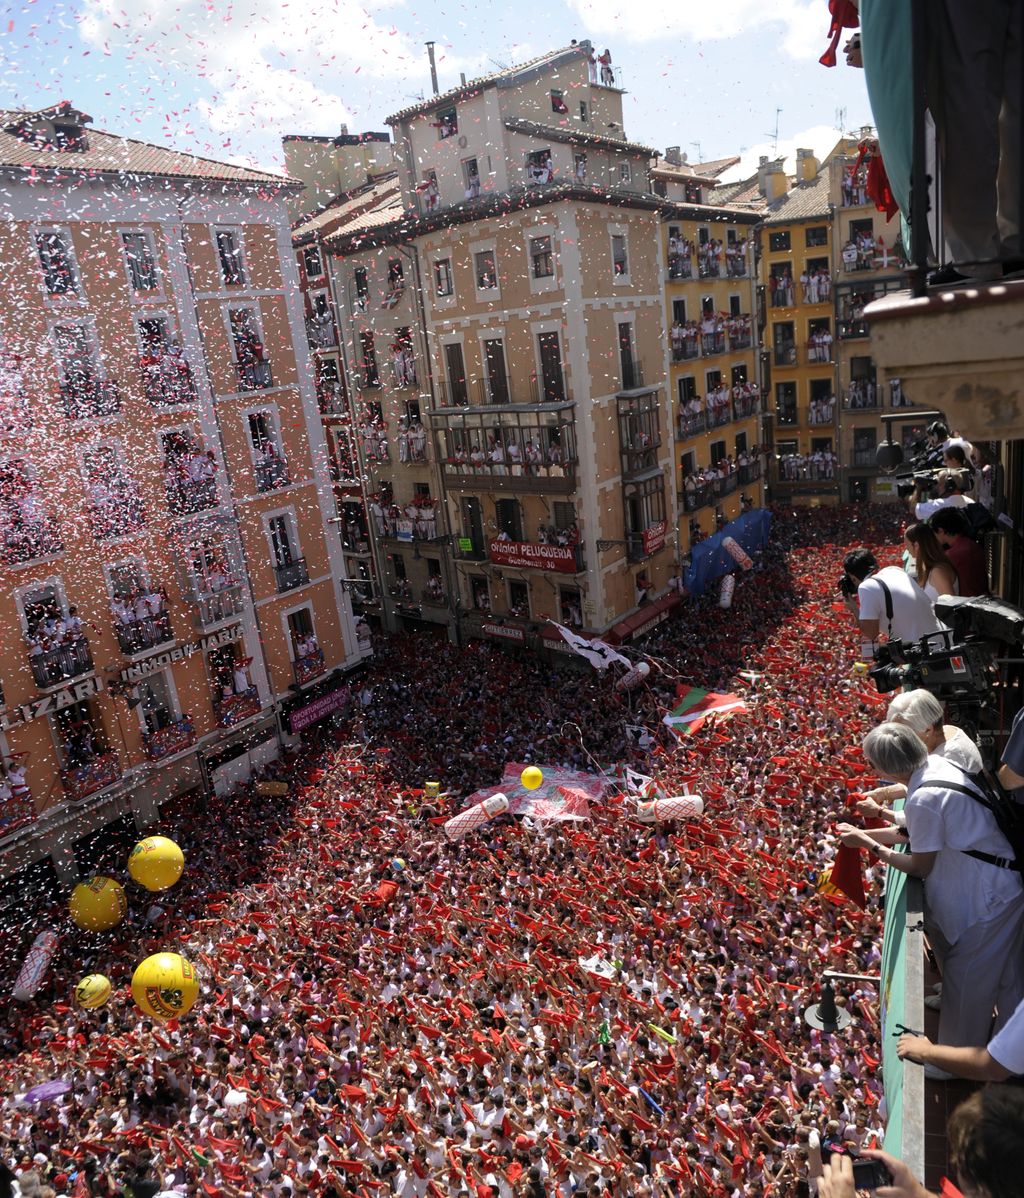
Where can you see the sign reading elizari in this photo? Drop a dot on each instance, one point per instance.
(540, 557)
(28, 712)
(180, 652)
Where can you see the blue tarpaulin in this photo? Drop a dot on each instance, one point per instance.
(709, 560)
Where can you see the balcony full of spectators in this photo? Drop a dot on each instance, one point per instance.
(271, 472)
(15, 415)
(309, 661)
(167, 378)
(861, 395)
(709, 259)
(25, 540)
(746, 400)
(115, 506)
(821, 411)
(692, 421)
(215, 602)
(291, 574)
(254, 376)
(86, 397)
(233, 708)
(819, 466)
(685, 341)
(741, 331)
(141, 620)
(99, 771)
(172, 738)
(56, 659)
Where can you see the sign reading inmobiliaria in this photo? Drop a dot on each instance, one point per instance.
(539, 557)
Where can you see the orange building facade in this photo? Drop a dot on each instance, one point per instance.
(169, 590)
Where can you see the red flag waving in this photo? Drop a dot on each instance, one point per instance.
(847, 875)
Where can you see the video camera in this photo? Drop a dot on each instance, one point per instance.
(957, 663)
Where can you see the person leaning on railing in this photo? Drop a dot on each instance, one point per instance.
(974, 898)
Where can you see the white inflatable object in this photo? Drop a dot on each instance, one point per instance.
(473, 817)
(37, 962)
(633, 677)
(726, 592)
(738, 554)
(678, 807)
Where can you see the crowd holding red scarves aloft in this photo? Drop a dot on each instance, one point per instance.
(384, 1012)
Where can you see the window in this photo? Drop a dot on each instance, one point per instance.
(455, 367)
(687, 388)
(495, 370)
(153, 334)
(584, 111)
(739, 375)
(679, 311)
(138, 252)
(312, 262)
(625, 173)
(620, 262)
(628, 365)
(688, 462)
(288, 565)
(862, 229)
(542, 264)
(157, 707)
(229, 253)
(300, 633)
(471, 178)
(816, 235)
(579, 166)
(539, 167)
(785, 403)
(486, 270)
(692, 193)
(362, 285)
(735, 305)
(717, 452)
(508, 517)
(778, 243)
(58, 265)
(643, 509)
(558, 103)
(639, 433)
(443, 277)
(262, 433)
(447, 123)
(741, 444)
(552, 379)
(519, 598)
(368, 359)
(564, 513)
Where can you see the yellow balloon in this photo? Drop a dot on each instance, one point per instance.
(531, 777)
(92, 991)
(98, 904)
(165, 986)
(156, 863)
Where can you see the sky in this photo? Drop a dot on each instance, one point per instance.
(227, 78)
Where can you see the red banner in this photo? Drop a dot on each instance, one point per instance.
(653, 536)
(538, 557)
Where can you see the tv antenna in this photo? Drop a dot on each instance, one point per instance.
(841, 120)
(775, 136)
(696, 146)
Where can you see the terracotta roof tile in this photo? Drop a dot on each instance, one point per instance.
(575, 136)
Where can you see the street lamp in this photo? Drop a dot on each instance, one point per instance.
(825, 1015)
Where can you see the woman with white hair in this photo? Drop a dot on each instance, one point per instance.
(921, 711)
(973, 892)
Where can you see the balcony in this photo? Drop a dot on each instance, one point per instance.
(167, 380)
(745, 407)
(87, 400)
(819, 353)
(53, 667)
(119, 516)
(719, 414)
(211, 607)
(712, 343)
(633, 375)
(680, 266)
(685, 349)
(254, 376)
(709, 267)
(726, 485)
(141, 635)
(290, 575)
(232, 709)
(865, 398)
(851, 330)
(784, 354)
(741, 337)
(165, 742)
(691, 426)
(186, 495)
(320, 333)
(782, 295)
(862, 457)
(308, 667)
(431, 598)
(735, 265)
(697, 496)
(84, 780)
(30, 541)
(749, 472)
(271, 473)
(468, 550)
(822, 415)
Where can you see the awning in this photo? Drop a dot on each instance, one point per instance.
(649, 616)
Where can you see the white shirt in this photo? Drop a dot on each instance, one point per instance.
(1007, 1046)
(912, 613)
(930, 506)
(961, 891)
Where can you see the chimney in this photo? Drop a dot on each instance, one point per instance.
(772, 181)
(343, 131)
(433, 67)
(673, 156)
(807, 166)
(462, 78)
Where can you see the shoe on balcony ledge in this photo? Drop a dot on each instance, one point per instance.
(947, 278)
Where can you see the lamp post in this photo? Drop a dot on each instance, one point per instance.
(825, 1015)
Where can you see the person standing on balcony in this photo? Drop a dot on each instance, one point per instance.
(607, 74)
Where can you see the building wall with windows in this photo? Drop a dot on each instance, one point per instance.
(158, 624)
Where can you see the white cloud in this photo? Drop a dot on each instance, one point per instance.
(804, 25)
(819, 138)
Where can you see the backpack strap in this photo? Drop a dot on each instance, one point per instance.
(888, 604)
(986, 801)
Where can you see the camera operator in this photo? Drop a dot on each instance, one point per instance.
(985, 1136)
(1011, 772)
(912, 614)
(974, 903)
(949, 486)
(953, 533)
(922, 712)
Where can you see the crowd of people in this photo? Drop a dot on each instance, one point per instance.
(592, 1007)
(807, 467)
(140, 617)
(707, 336)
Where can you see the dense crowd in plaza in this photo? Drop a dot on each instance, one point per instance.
(595, 1007)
